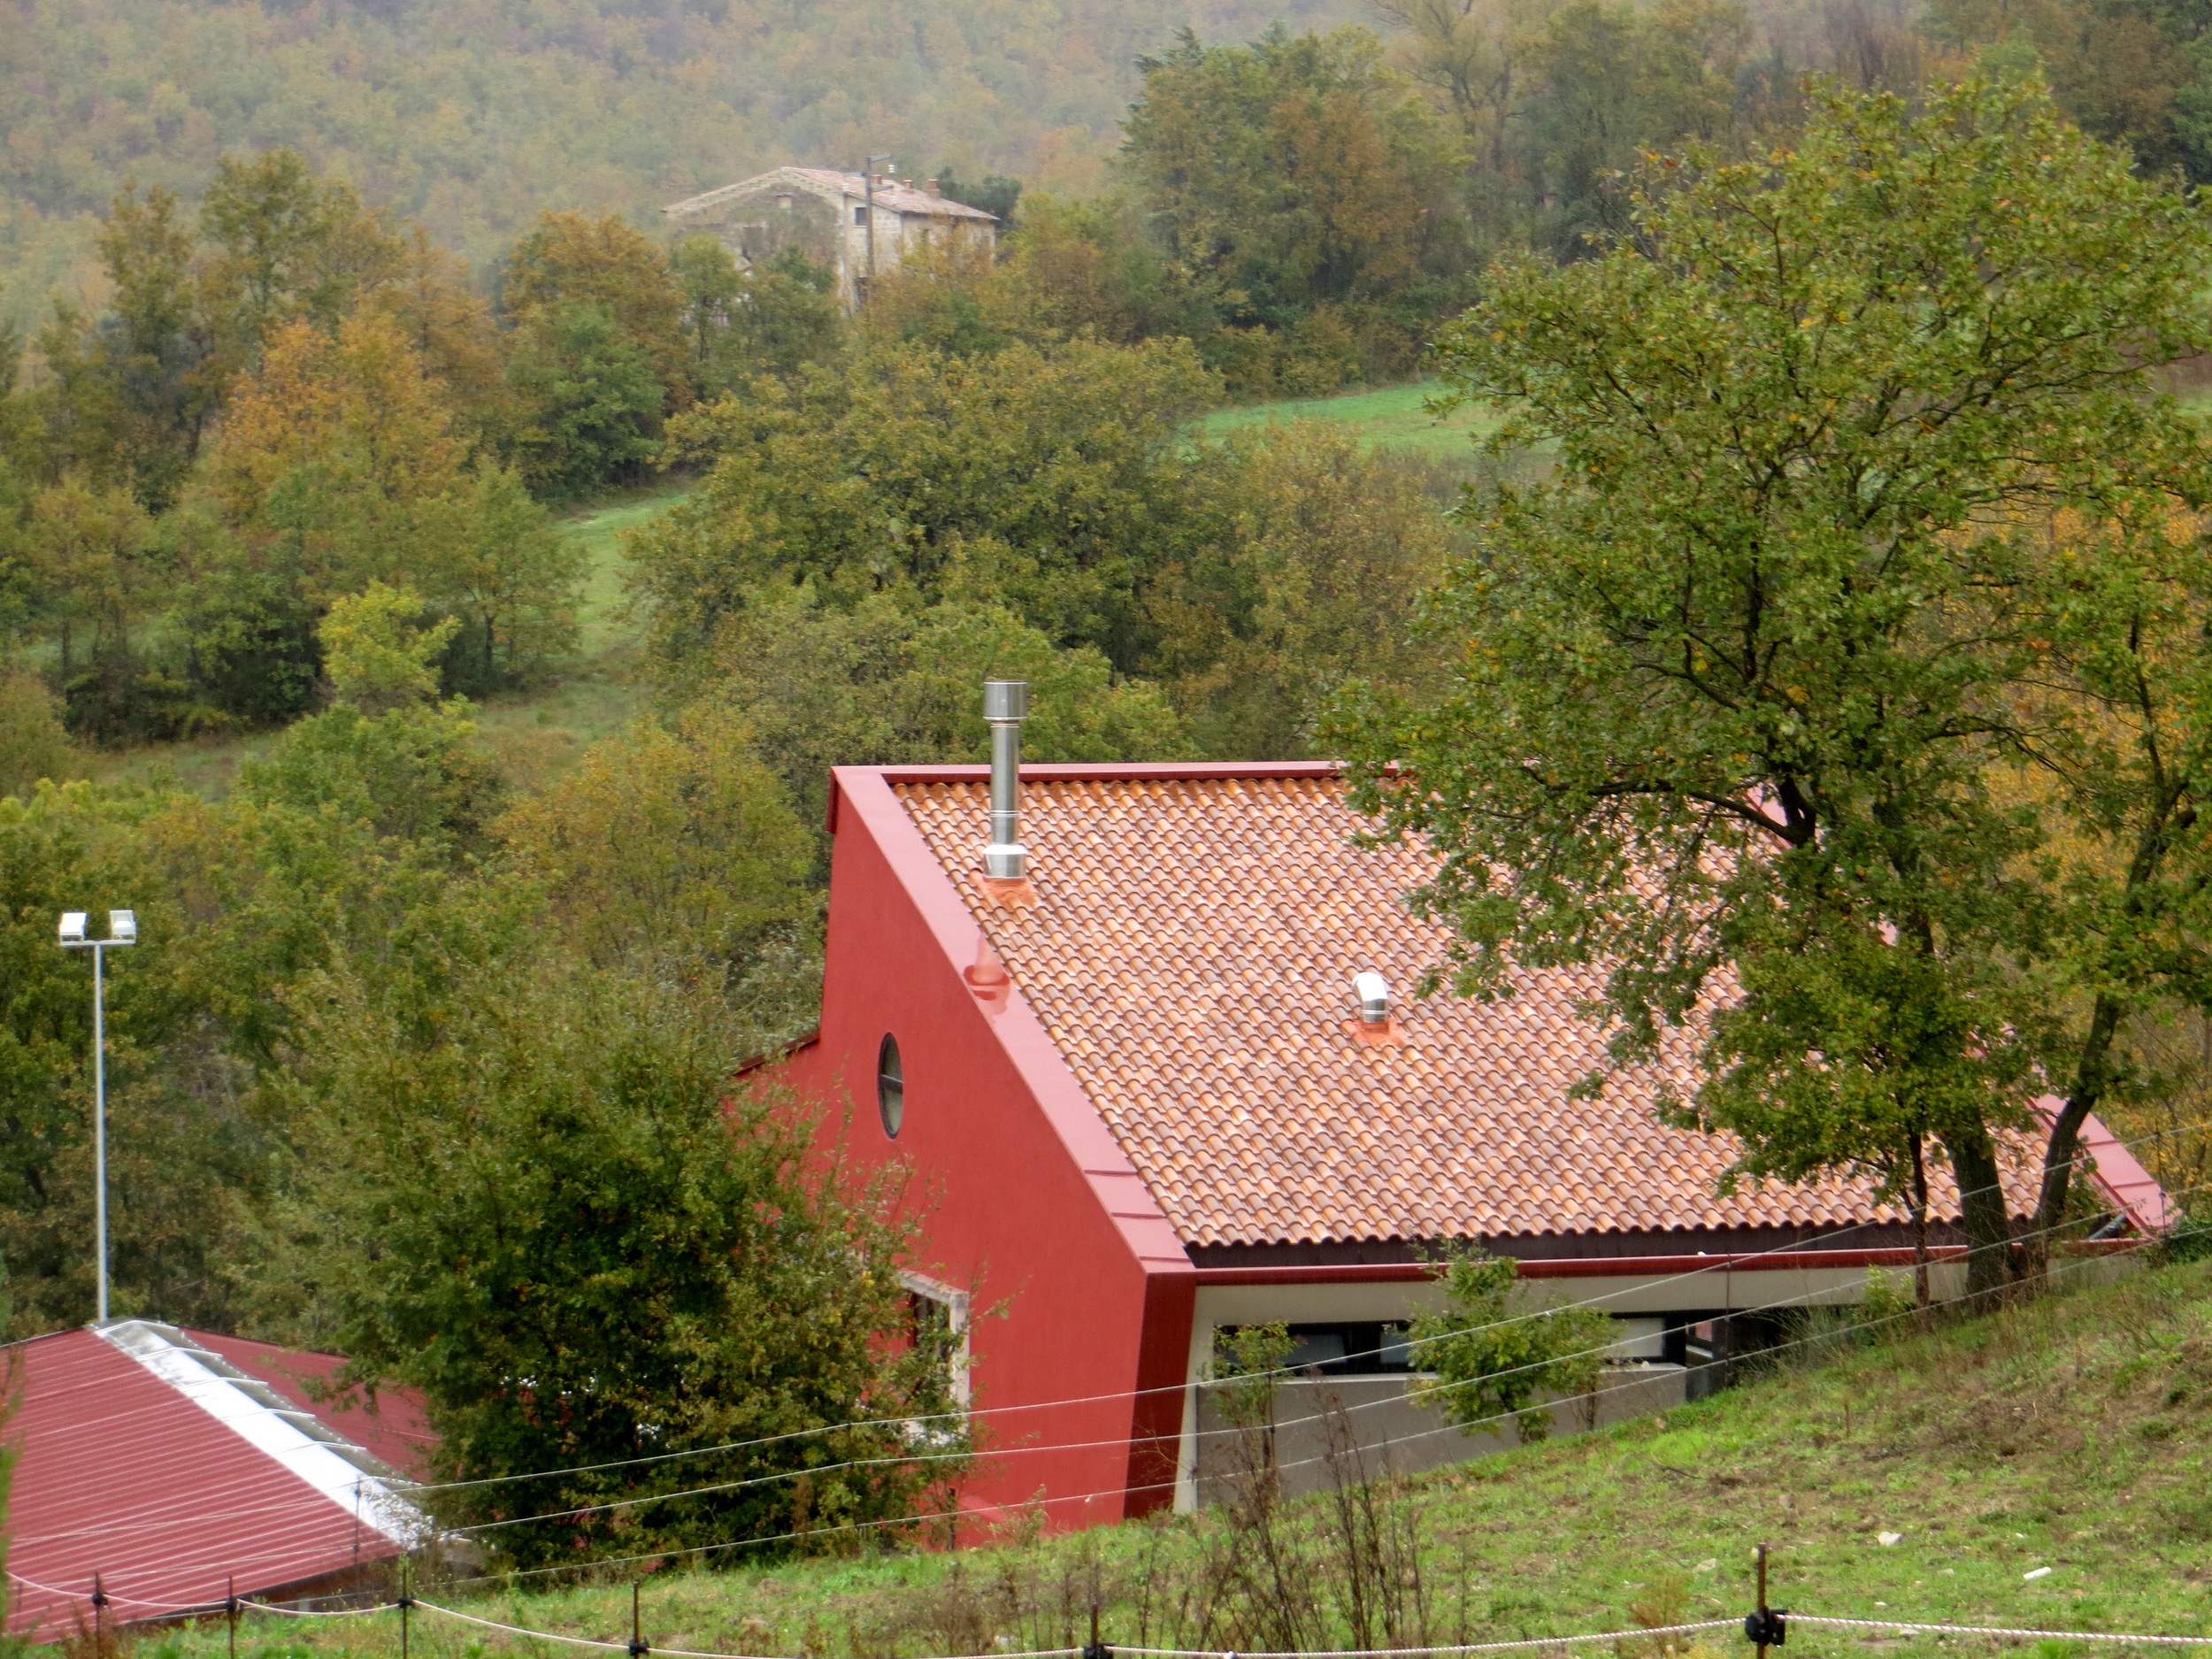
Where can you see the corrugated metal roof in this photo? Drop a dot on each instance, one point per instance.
(170, 1462)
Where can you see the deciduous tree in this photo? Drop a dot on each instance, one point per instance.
(1041, 480)
(545, 1209)
(1846, 694)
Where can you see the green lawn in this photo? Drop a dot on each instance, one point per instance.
(600, 529)
(2071, 1434)
(1395, 416)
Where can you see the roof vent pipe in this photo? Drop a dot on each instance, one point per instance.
(1006, 705)
(1374, 997)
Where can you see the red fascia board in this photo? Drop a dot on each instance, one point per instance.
(1580, 1267)
(2127, 1186)
(866, 794)
(782, 1051)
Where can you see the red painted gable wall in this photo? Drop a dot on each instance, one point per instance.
(1080, 1288)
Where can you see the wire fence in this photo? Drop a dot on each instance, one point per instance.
(1416, 1391)
(1747, 1261)
(637, 1647)
(159, 1611)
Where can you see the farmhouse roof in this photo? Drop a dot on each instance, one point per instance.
(1190, 950)
(172, 1461)
(898, 198)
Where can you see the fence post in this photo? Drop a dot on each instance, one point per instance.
(1766, 1628)
(639, 1647)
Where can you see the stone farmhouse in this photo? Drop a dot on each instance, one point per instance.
(857, 225)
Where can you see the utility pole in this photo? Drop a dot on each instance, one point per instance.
(122, 930)
(868, 186)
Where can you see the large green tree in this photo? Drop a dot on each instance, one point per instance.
(1295, 173)
(529, 1191)
(1844, 691)
(1043, 480)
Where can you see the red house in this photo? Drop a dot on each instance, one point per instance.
(1120, 1043)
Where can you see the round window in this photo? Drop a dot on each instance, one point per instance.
(890, 1086)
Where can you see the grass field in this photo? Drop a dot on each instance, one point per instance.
(1396, 417)
(2069, 1435)
(534, 733)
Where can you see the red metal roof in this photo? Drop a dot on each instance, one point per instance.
(141, 1462)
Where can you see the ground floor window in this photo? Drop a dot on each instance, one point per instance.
(937, 1322)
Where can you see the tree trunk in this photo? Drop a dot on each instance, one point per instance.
(1921, 1298)
(1982, 1207)
(2092, 1073)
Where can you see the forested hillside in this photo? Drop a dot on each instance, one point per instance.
(471, 115)
(322, 312)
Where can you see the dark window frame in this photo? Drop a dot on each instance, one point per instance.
(890, 1087)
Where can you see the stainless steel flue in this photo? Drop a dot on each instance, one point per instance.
(1006, 705)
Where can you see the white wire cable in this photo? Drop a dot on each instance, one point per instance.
(316, 1612)
(1492, 1421)
(692, 1653)
(1725, 1264)
(1993, 1629)
(1416, 1395)
(1523, 1645)
(1410, 1393)
(1058, 1446)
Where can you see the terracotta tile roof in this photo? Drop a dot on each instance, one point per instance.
(897, 198)
(1191, 951)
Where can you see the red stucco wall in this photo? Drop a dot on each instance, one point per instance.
(1082, 1296)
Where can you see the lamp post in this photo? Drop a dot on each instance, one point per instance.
(122, 930)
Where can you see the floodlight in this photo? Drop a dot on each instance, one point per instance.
(123, 926)
(73, 927)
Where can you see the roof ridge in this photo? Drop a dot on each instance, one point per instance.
(299, 1441)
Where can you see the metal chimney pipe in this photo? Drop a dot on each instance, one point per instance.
(1006, 705)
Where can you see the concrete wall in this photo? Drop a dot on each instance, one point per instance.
(1392, 1428)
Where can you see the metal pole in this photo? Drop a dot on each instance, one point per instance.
(1762, 1601)
(123, 930)
(100, 1120)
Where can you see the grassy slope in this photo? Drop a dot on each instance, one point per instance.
(1395, 416)
(2071, 1433)
(537, 732)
